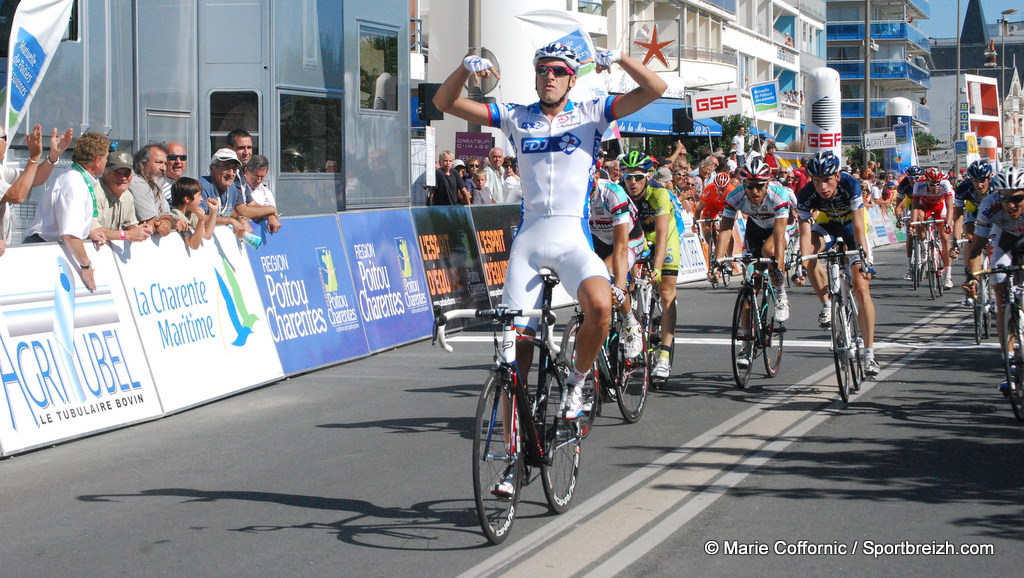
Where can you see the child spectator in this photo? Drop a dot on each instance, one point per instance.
(186, 203)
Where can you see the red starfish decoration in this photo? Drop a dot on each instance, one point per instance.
(654, 48)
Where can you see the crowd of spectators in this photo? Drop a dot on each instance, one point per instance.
(107, 193)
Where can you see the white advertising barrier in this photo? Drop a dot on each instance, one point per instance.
(692, 266)
(200, 318)
(70, 359)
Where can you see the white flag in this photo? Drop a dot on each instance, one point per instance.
(35, 33)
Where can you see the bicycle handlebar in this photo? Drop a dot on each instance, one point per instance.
(746, 259)
(998, 270)
(714, 220)
(500, 314)
(928, 221)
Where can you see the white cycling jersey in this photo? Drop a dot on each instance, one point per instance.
(991, 214)
(610, 206)
(556, 157)
(775, 205)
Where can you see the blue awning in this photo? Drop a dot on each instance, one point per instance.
(656, 118)
(758, 132)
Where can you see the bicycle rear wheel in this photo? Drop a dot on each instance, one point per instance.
(841, 349)
(772, 331)
(1012, 362)
(743, 344)
(561, 452)
(496, 457)
(631, 386)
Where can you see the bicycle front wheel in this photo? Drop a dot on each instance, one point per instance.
(929, 268)
(772, 331)
(743, 337)
(561, 453)
(1012, 328)
(856, 346)
(915, 263)
(631, 386)
(841, 349)
(591, 387)
(939, 267)
(496, 459)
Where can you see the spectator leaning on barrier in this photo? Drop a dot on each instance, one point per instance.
(149, 164)
(66, 214)
(16, 184)
(115, 211)
(187, 204)
(220, 184)
(262, 207)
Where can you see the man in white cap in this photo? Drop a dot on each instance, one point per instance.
(221, 184)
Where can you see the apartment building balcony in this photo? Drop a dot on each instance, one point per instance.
(900, 73)
(884, 30)
(914, 8)
(590, 14)
(853, 108)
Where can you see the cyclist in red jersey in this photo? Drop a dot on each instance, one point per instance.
(933, 197)
(711, 205)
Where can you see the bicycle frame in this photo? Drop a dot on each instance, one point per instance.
(927, 254)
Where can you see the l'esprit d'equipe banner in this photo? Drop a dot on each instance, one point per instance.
(391, 291)
(200, 317)
(36, 30)
(451, 260)
(495, 229)
(70, 359)
(309, 302)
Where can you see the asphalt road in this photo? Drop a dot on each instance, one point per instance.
(363, 469)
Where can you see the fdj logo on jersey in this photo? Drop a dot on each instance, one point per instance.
(567, 143)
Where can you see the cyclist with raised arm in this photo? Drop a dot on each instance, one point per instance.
(767, 209)
(837, 198)
(556, 141)
(1003, 214)
(933, 198)
(618, 240)
(654, 208)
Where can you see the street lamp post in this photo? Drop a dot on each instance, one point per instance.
(1002, 71)
(867, 79)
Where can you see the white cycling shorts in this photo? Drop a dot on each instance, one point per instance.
(560, 243)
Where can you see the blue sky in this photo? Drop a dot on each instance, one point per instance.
(940, 25)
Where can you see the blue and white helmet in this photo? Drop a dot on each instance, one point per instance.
(980, 170)
(1009, 179)
(561, 52)
(823, 164)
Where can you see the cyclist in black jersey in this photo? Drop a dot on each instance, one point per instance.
(838, 199)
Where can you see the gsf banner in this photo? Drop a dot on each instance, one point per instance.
(70, 359)
(391, 291)
(309, 301)
(451, 260)
(200, 318)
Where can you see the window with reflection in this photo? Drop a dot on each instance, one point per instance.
(234, 110)
(310, 134)
(378, 68)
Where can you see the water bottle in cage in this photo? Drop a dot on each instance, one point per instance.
(834, 278)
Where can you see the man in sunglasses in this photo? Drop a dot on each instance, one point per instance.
(556, 141)
(1002, 213)
(933, 198)
(767, 209)
(177, 162)
(840, 205)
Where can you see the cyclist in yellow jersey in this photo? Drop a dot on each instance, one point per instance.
(656, 216)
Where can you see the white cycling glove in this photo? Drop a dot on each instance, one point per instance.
(476, 64)
(608, 57)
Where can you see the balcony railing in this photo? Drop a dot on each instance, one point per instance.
(887, 30)
(881, 69)
(854, 108)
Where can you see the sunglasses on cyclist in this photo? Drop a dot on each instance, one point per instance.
(558, 71)
(634, 177)
(934, 184)
(754, 186)
(1013, 200)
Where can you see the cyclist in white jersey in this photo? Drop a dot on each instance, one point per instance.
(556, 141)
(1001, 216)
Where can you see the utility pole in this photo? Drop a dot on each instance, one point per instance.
(474, 46)
(867, 80)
